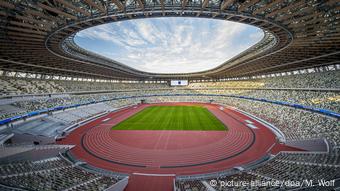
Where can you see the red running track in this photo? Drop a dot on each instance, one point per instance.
(170, 152)
(140, 182)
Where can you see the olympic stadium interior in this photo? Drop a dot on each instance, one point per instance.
(280, 99)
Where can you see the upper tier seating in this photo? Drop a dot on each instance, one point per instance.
(317, 99)
(21, 86)
(312, 80)
(17, 86)
(324, 99)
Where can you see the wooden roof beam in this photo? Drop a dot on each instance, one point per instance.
(266, 6)
(184, 3)
(96, 6)
(25, 39)
(141, 4)
(299, 11)
(59, 12)
(25, 35)
(162, 5)
(300, 24)
(24, 30)
(21, 24)
(244, 6)
(40, 14)
(38, 22)
(129, 15)
(114, 17)
(293, 5)
(215, 15)
(205, 3)
(226, 3)
(242, 19)
(7, 5)
(306, 17)
(119, 4)
(71, 6)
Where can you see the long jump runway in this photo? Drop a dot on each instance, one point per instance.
(170, 152)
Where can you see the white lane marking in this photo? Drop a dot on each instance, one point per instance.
(252, 126)
(144, 174)
(248, 121)
(106, 119)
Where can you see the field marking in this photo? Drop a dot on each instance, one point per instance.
(252, 126)
(105, 125)
(167, 140)
(158, 140)
(145, 174)
(106, 119)
(248, 121)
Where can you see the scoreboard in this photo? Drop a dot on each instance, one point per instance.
(179, 82)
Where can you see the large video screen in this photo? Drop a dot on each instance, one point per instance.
(179, 82)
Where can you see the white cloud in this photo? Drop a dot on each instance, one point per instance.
(170, 45)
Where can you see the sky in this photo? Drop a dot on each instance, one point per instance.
(170, 45)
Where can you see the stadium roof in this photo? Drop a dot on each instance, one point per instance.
(37, 36)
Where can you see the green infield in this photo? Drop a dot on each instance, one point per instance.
(172, 118)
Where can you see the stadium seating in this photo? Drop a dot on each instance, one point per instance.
(37, 168)
(324, 100)
(311, 80)
(52, 174)
(28, 166)
(296, 124)
(17, 86)
(286, 118)
(283, 168)
(75, 74)
(320, 98)
(53, 125)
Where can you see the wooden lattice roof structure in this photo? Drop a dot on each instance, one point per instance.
(37, 36)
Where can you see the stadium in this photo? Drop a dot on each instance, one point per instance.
(163, 95)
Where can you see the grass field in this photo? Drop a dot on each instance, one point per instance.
(172, 118)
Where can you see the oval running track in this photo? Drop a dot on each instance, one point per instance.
(170, 152)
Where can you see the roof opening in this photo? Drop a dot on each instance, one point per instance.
(170, 44)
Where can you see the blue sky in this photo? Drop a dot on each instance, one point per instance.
(170, 45)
